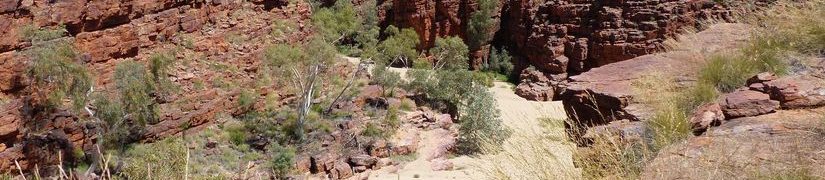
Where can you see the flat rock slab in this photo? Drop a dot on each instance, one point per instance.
(745, 103)
(607, 93)
(748, 148)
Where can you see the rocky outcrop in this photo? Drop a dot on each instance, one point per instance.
(607, 93)
(561, 37)
(746, 103)
(746, 148)
(106, 33)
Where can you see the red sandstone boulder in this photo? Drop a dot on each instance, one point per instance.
(746, 103)
(706, 116)
(441, 164)
(342, 170)
(797, 91)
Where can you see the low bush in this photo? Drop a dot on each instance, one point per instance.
(34, 33)
(136, 88)
(166, 159)
(282, 160)
(388, 80)
(56, 75)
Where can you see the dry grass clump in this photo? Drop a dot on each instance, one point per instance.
(530, 154)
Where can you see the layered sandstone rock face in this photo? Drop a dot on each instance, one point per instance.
(561, 37)
(108, 32)
(439, 18)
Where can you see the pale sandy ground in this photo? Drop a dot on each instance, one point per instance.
(523, 118)
(520, 115)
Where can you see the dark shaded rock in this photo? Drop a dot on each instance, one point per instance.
(363, 160)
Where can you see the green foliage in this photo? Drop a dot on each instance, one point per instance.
(450, 54)
(499, 62)
(160, 64)
(399, 47)
(283, 27)
(480, 121)
(336, 22)
(481, 24)
(34, 34)
(726, 72)
(135, 88)
(247, 99)
(165, 159)
(116, 129)
(387, 79)
(282, 160)
(55, 71)
(372, 130)
(237, 133)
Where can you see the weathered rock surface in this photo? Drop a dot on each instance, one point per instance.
(705, 116)
(766, 145)
(746, 103)
(797, 91)
(561, 37)
(607, 93)
(539, 86)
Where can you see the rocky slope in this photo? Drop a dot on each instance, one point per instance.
(108, 32)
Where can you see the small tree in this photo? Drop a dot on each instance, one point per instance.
(388, 80)
(55, 75)
(499, 62)
(399, 46)
(480, 121)
(450, 53)
(481, 23)
(302, 70)
(135, 88)
(337, 22)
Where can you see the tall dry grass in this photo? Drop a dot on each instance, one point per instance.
(530, 154)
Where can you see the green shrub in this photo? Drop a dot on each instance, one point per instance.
(399, 47)
(34, 33)
(54, 69)
(282, 160)
(391, 119)
(480, 121)
(450, 53)
(135, 88)
(499, 62)
(117, 130)
(387, 79)
(160, 64)
(336, 22)
(372, 130)
(726, 72)
(247, 99)
(166, 159)
(237, 133)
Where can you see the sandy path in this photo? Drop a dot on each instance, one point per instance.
(517, 113)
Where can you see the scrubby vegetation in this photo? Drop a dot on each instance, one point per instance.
(450, 53)
(33, 33)
(56, 74)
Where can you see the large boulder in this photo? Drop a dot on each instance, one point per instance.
(607, 93)
(799, 91)
(748, 148)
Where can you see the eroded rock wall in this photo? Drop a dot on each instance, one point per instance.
(108, 32)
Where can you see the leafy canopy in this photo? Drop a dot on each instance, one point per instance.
(336, 22)
(399, 47)
(450, 54)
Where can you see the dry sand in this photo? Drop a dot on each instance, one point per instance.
(517, 113)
